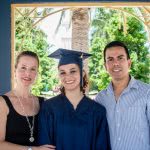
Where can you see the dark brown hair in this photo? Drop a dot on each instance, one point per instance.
(115, 44)
(26, 53)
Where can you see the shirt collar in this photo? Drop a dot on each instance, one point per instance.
(132, 84)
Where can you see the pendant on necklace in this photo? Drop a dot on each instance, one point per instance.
(31, 139)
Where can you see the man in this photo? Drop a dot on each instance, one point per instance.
(126, 100)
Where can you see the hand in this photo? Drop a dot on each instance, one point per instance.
(45, 147)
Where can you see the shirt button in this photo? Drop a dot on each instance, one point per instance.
(117, 111)
(119, 139)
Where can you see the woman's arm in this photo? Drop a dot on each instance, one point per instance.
(4, 110)
(102, 131)
(45, 125)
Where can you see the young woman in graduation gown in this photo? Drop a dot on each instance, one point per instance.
(71, 120)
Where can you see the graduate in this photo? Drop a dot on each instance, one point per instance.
(71, 120)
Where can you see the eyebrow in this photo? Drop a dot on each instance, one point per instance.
(27, 66)
(73, 69)
(117, 56)
(69, 69)
(121, 55)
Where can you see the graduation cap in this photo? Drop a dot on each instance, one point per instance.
(67, 56)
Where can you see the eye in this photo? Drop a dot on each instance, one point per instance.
(121, 58)
(73, 71)
(33, 69)
(109, 59)
(23, 68)
(62, 73)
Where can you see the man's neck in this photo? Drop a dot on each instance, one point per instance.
(119, 86)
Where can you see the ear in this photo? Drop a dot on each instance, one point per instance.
(129, 63)
(105, 66)
(14, 72)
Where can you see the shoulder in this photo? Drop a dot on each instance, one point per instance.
(41, 99)
(101, 96)
(101, 93)
(3, 106)
(143, 88)
(142, 84)
(52, 102)
(2, 101)
(96, 107)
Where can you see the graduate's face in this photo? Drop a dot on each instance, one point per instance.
(70, 76)
(117, 64)
(26, 71)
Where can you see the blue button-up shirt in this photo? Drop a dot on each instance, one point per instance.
(129, 117)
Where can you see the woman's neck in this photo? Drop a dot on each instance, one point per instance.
(22, 92)
(74, 97)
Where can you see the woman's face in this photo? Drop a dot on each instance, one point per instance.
(69, 76)
(26, 70)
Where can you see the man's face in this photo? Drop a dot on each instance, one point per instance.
(117, 63)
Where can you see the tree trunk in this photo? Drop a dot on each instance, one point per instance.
(80, 30)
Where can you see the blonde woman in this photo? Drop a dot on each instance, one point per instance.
(19, 108)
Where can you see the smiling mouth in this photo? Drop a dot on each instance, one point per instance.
(69, 82)
(27, 79)
(116, 70)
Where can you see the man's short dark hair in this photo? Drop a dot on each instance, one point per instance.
(115, 44)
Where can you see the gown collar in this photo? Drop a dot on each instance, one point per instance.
(82, 105)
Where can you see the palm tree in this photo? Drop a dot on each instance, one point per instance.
(80, 29)
(79, 22)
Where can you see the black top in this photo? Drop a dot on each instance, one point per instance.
(17, 128)
(83, 128)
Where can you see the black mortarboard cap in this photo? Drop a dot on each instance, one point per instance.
(67, 56)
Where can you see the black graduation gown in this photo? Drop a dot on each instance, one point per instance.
(83, 128)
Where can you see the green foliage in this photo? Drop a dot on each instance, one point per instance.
(35, 40)
(107, 26)
(98, 75)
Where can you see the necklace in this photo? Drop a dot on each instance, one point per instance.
(31, 127)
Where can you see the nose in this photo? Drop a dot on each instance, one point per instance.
(115, 62)
(68, 76)
(27, 72)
